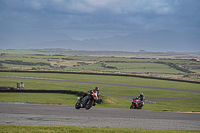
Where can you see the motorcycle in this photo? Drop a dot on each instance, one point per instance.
(86, 102)
(136, 104)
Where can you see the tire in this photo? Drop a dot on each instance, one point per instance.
(89, 104)
(84, 101)
(132, 106)
(77, 106)
(139, 107)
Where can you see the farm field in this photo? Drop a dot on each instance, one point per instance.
(70, 52)
(156, 67)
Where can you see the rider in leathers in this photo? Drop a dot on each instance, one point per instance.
(142, 98)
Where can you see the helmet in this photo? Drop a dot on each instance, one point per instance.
(97, 88)
(141, 94)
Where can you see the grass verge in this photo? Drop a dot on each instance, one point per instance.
(73, 129)
(107, 79)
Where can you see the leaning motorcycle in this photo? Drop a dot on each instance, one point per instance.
(136, 104)
(86, 102)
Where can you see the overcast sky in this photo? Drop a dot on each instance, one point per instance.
(82, 19)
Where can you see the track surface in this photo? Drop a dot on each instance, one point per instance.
(58, 115)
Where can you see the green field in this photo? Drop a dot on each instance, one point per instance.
(116, 102)
(97, 64)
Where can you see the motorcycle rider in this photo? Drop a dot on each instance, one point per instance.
(142, 98)
(96, 90)
(96, 94)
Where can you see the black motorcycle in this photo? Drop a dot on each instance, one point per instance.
(86, 102)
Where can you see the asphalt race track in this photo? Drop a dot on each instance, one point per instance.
(58, 115)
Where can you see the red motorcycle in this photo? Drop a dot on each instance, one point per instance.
(136, 104)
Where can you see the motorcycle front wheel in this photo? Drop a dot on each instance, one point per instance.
(89, 104)
(132, 106)
(77, 106)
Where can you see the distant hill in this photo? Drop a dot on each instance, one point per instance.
(156, 41)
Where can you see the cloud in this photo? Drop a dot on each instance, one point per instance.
(114, 7)
(97, 15)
